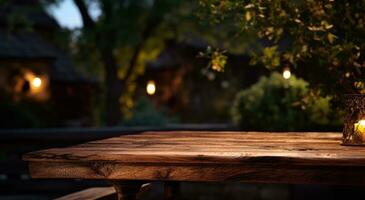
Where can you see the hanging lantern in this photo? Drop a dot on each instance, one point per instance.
(354, 128)
(36, 82)
(151, 87)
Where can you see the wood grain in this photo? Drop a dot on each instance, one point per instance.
(207, 156)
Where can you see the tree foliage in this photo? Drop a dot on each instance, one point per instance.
(119, 43)
(323, 40)
(122, 40)
(278, 104)
(146, 114)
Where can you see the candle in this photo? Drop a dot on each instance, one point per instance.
(359, 128)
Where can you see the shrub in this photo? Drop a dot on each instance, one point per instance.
(16, 115)
(277, 104)
(145, 114)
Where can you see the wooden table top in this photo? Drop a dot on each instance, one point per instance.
(207, 156)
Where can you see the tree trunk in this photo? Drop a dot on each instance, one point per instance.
(113, 88)
(113, 85)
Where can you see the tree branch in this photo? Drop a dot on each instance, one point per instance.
(146, 34)
(85, 15)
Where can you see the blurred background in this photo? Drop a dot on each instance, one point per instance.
(79, 70)
(139, 64)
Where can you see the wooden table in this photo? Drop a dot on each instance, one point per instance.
(258, 157)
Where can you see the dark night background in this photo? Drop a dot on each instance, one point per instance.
(78, 70)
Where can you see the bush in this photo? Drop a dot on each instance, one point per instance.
(16, 115)
(145, 114)
(277, 104)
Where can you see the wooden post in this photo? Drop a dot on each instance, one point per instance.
(171, 190)
(127, 190)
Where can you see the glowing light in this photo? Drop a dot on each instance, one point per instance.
(151, 88)
(359, 128)
(36, 82)
(362, 122)
(286, 73)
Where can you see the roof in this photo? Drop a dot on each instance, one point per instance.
(172, 56)
(30, 45)
(176, 53)
(29, 10)
(24, 45)
(63, 70)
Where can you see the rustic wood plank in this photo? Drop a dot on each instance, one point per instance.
(339, 175)
(207, 156)
(95, 193)
(302, 148)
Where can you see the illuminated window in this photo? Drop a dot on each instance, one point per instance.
(36, 82)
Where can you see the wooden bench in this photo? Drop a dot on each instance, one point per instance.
(254, 157)
(99, 193)
(90, 194)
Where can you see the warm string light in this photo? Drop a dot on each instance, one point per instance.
(151, 88)
(286, 73)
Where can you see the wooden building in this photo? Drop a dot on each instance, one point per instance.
(33, 68)
(188, 89)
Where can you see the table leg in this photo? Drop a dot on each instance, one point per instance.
(127, 190)
(171, 190)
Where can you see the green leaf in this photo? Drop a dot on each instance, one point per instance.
(331, 37)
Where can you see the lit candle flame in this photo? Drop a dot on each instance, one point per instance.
(362, 122)
(359, 128)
